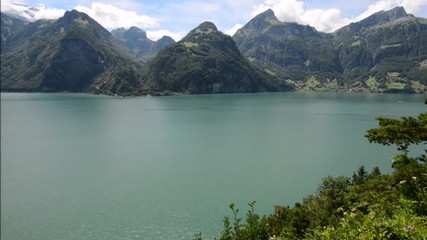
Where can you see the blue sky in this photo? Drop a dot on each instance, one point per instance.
(175, 18)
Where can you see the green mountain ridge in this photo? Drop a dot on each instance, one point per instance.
(382, 53)
(206, 61)
(73, 53)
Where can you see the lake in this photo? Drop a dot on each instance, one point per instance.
(76, 166)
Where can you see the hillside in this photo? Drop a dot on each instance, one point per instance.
(73, 53)
(206, 61)
(385, 52)
(288, 50)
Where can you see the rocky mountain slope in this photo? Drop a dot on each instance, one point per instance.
(206, 61)
(385, 52)
(287, 50)
(9, 25)
(136, 40)
(73, 53)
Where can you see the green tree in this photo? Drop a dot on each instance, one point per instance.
(401, 132)
(410, 172)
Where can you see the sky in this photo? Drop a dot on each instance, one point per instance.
(176, 18)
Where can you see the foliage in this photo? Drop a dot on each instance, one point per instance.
(255, 228)
(370, 205)
(403, 224)
(403, 132)
(410, 174)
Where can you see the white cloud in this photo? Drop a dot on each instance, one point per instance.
(324, 20)
(328, 20)
(411, 6)
(156, 35)
(39, 11)
(234, 29)
(112, 17)
(285, 10)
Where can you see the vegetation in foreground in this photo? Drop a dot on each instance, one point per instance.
(368, 205)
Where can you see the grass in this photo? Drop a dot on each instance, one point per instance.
(423, 64)
(190, 44)
(396, 85)
(356, 44)
(418, 87)
(311, 84)
(372, 83)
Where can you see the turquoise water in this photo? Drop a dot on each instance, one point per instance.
(77, 166)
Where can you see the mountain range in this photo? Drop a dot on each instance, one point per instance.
(386, 52)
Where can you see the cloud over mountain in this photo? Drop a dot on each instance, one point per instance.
(330, 19)
(111, 16)
(39, 11)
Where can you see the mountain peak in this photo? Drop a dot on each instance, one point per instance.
(377, 18)
(268, 14)
(207, 27)
(135, 32)
(202, 31)
(261, 21)
(73, 14)
(395, 13)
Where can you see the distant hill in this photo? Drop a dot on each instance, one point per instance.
(385, 52)
(136, 40)
(73, 53)
(206, 61)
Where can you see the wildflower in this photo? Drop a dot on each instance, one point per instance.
(402, 182)
(408, 228)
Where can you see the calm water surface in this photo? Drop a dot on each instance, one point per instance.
(77, 166)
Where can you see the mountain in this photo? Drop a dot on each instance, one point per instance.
(205, 61)
(9, 25)
(136, 41)
(385, 52)
(288, 50)
(73, 53)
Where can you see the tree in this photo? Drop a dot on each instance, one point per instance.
(403, 132)
(410, 172)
